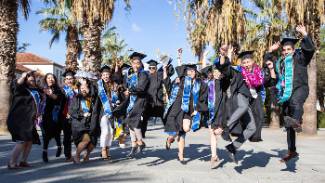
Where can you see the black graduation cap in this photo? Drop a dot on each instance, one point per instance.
(290, 40)
(246, 54)
(152, 62)
(125, 66)
(105, 68)
(191, 66)
(68, 73)
(137, 54)
(206, 70)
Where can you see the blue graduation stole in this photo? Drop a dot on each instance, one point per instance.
(37, 99)
(196, 94)
(186, 93)
(68, 91)
(284, 92)
(172, 98)
(132, 83)
(84, 106)
(211, 100)
(104, 98)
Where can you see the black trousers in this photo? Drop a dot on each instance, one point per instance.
(294, 109)
(157, 111)
(67, 137)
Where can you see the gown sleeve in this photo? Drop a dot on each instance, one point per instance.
(307, 51)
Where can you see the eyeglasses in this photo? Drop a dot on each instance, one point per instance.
(152, 68)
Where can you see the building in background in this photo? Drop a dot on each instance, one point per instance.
(40, 64)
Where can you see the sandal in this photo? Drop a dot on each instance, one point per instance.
(24, 164)
(12, 167)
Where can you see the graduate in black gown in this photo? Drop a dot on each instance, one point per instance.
(233, 106)
(187, 101)
(214, 93)
(22, 119)
(253, 76)
(158, 79)
(292, 83)
(136, 82)
(84, 112)
(70, 90)
(51, 124)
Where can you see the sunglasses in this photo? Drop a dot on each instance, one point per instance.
(152, 68)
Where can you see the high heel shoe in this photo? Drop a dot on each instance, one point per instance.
(181, 159)
(214, 162)
(141, 147)
(132, 152)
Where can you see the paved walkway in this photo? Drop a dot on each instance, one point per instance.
(259, 162)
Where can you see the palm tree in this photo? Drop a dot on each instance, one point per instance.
(213, 22)
(311, 14)
(112, 47)
(58, 21)
(8, 48)
(93, 16)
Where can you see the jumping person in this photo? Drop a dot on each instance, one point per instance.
(158, 79)
(137, 83)
(292, 83)
(187, 100)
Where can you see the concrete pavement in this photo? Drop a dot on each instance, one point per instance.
(259, 162)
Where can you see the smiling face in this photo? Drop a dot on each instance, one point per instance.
(287, 49)
(247, 63)
(191, 73)
(50, 80)
(69, 80)
(223, 50)
(106, 76)
(30, 81)
(136, 64)
(84, 88)
(152, 69)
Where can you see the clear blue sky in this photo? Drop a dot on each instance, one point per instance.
(150, 25)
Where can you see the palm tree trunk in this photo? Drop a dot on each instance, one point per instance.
(8, 37)
(91, 47)
(73, 47)
(309, 126)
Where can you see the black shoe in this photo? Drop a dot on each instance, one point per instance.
(58, 152)
(232, 153)
(133, 152)
(182, 161)
(45, 158)
(291, 122)
(141, 147)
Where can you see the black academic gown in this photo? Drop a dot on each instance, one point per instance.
(175, 115)
(22, 115)
(84, 125)
(227, 90)
(51, 128)
(133, 118)
(294, 106)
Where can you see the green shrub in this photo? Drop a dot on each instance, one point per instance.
(321, 119)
